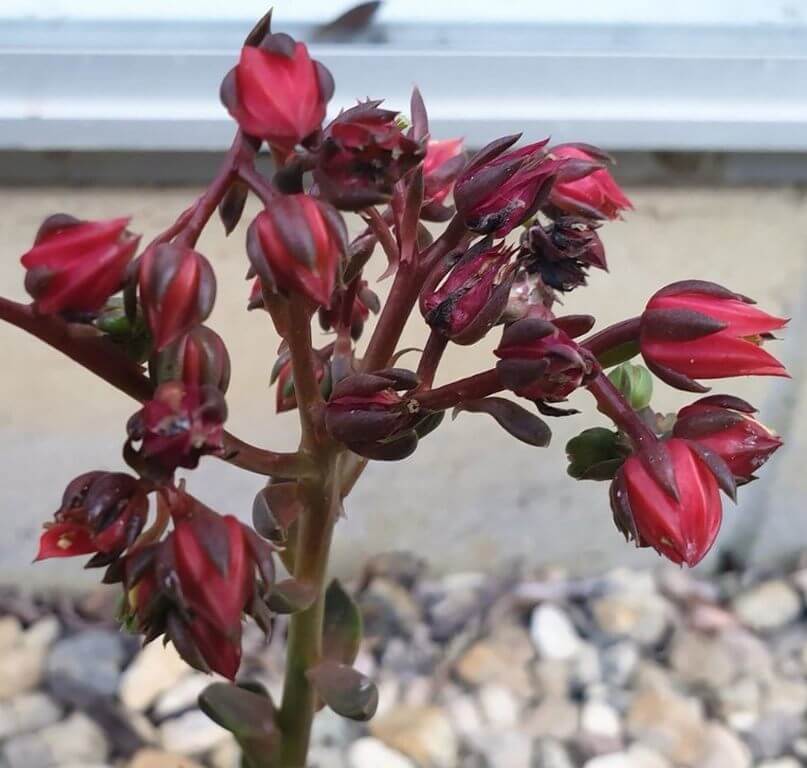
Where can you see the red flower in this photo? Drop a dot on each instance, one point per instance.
(199, 358)
(464, 300)
(177, 291)
(539, 360)
(179, 425)
(363, 154)
(499, 190)
(698, 330)
(725, 425)
(196, 585)
(75, 266)
(101, 512)
(668, 499)
(276, 92)
(594, 194)
(296, 244)
(441, 166)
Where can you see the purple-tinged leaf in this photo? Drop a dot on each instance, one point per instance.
(518, 421)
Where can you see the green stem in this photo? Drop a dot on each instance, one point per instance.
(321, 497)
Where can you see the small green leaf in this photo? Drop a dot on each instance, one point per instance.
(291, 596)
(342, 625)
(346, 691)
(596, 454)
(249, 714)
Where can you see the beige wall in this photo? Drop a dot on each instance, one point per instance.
(471, 497)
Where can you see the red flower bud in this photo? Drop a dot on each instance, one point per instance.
(199, 358)
(297, 244)
(196, 585)
(180, 424)
(699, 330)
(366, 413)
(101, 512)
(499, 190)
(442, 165)
(363, 153)
(75, 266)
(594, 194)
(562, 252)
(668, 499)
(177, 291)
(277, 92)
(464, 300)
(725, 425)
(540, 361)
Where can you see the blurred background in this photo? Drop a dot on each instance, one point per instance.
(521, 631)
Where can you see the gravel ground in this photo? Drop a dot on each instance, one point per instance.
(628, 670)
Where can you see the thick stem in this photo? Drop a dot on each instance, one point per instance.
(322, 499)
(241, 153)
(404, 294)
(470, 388)
(430, 359)
(97, 354)
(306, 387)
(611, 402)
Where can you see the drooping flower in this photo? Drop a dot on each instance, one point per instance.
(595, 194)
(563, 251)
(540, 360)
(101, 513)
(199, 358)
(75, 266)
(179, 425)
(296, 244)
(668, 498)
(196, 585)
(699, 330)
(367, 414)
(464, 298)
(725, 425)
(177, 291)
(277, 92)
(365, 301)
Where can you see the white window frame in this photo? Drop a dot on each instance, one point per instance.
(147, 83)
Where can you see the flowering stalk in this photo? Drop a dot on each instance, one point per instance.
(193, 574)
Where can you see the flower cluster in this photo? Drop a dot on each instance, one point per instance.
(519, 225)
